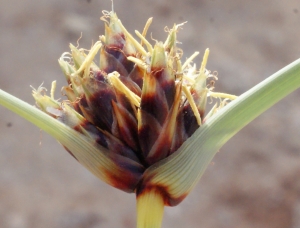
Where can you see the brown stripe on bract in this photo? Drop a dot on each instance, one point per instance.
(163, 190)
(121, 57)
(189, 119)
(180, 134)
(130, 84)
(191, 123)
(108, 63)
(166, 81)
(163, 144)
(137, 75)
(99, 103)
(154, 111)
(116, 52)
(82, 125)
(125, 180)
(116, 146)
(153, 100)
(149, 130)
(127, 177)
(127, 126)
(123, 100)
(70, 152)
(97, 135)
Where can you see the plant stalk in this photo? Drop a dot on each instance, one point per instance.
(150, 208)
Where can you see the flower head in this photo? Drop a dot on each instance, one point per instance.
(137, 105)
(136, 117)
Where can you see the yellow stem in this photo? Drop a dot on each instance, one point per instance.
(150, 208)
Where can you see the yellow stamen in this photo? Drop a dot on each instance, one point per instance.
(191, 80)
(145, 30)
(137, 61)
(222, 95)
(136, 44)
(53, 87)
(147, 25)
(89, 58)
(213, 110)
(102, 39)
(204, 61)
(143, 40)
(139, 118)
(178, 64)
(190, 60)
(116, 82)
(192, 103)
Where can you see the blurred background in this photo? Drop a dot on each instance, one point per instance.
(254, 181)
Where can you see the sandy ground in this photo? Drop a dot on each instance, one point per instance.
(253, 182)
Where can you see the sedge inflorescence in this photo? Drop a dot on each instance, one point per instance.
(137, 102)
